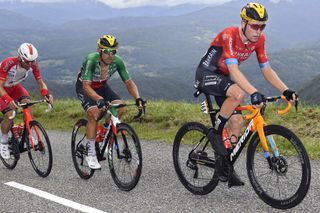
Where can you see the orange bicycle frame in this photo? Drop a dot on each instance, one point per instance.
(258, 122)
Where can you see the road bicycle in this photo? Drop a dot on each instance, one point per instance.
(277, 163)
(33, 138)
(119, 142)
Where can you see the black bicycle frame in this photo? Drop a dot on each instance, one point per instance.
(22, 142)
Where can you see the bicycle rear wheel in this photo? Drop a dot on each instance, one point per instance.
(79, 151)
(194, 159)
(284, 181)
(11, 163)
(125, 157)
(41, 154)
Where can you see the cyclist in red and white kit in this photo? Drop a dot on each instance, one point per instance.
(218, 74)
(13, 70)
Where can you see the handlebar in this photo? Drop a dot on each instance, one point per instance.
(27, 104)
(104, 110)
(255, 111)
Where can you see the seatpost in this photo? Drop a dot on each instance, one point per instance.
(212, 112)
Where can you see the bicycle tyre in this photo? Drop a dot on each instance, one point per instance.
(14, 151)
(124, 152)
(41, 155)
(195, 161)
(292, 156)
(78, 149)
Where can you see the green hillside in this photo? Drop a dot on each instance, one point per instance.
(310, 91)
(163, 119)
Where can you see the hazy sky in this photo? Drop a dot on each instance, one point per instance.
(137, 3)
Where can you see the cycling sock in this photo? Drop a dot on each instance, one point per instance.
(4, 138)
(91, 147)
(219, 124)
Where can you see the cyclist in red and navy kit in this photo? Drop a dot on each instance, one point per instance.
(218, 74)
(13, 70)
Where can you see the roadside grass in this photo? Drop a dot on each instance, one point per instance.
(164, 118)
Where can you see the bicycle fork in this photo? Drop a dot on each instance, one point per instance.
(259, 123)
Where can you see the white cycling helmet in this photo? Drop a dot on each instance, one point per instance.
(28, 52)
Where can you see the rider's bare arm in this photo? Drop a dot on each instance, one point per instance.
(132, 88)
(2, 91)
(240, 79)
(90, 92)
(271, 76)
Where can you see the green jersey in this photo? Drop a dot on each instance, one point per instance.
(90, 70)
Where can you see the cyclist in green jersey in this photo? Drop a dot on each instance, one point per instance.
(94, 92)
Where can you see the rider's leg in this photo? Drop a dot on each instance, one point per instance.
(235, 96)
(235, 124)
(91, 129)
(109, 95)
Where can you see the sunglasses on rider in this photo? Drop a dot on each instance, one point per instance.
(257, 26)
(109, 51)
(29, 62)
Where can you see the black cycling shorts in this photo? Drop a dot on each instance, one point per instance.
(105, 91)
(213, 83)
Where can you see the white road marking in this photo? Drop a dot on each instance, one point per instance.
(60, 200)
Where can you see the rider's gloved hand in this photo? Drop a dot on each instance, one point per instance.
(48, 97)
(101, 103)
(256, 98)
(290, 95)
(140, 102)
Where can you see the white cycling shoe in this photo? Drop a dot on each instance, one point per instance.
(4, 151)
(93, 162)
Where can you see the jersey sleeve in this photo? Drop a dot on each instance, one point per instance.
(261, 53)
(227, 48)
(122, 70)
(5, 66)
(88, 70)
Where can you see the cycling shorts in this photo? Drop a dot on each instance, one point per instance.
(17, 93)
(104, 91)
(214, 83)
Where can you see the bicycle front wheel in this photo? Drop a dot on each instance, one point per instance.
(284, 180)
(39, 149)
(125, 157)
(194, 159)
(79, 150)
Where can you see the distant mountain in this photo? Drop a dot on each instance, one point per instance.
(165, 51)
(64, 11)
(310, 91)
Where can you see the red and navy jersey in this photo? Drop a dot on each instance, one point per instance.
(227, 48)
(12, 73)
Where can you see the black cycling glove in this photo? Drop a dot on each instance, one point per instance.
(288, 93)
(101, 103)
(140, 102)
(256, 98)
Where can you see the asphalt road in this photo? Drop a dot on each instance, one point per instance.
(158, 190)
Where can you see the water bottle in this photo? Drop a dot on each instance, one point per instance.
(20, 128)
(226, 139)
(15, 130)
(101, 131)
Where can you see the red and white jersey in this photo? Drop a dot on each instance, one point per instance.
(12, 73)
